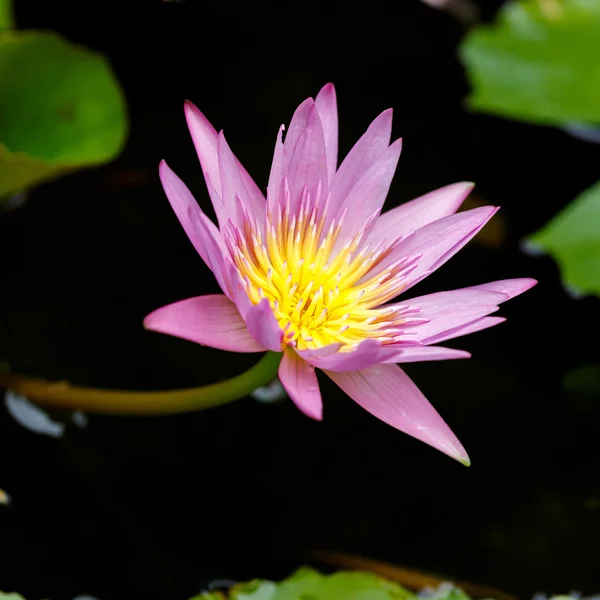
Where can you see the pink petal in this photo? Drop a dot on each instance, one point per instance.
(509, 287)
(278, 172)
(208, 320)
(296, 127)
(308, 163)
(437, 307)
(204, 137)
(239, 293)
(367, 353)
(436, 242)
(300, 382)
(317, 353)
(205, 140)
(417, 213)
(369, 193)
(426, 353)
(326, 103)
(369, 148)
(234, 189)
(387, 393)
(263, 326)
(214, 250)
(446, 320)
(472, 327)
(434, 303)
(199, 228)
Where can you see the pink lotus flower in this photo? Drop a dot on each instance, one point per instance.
(310, 270)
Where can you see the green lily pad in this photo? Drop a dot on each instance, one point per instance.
(308, 584)
(12, 596)
(61, 109)
(572, 238)
(539, 62)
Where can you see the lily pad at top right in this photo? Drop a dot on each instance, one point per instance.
(538, 62)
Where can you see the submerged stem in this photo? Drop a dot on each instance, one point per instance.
(61, 394)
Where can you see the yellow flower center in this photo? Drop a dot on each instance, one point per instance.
(319, 295)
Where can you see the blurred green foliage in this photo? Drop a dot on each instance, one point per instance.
(61, 109)
(539, 62)
(572, 238)
(6, 14)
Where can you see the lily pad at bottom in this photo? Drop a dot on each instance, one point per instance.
(308, 584)
(61, 109)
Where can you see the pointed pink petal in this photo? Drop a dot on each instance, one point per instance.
(365, 152)
(300, 382)
(239, 293)
(446, 310)
(440, 301)
(208, 320)
(201, 231)
(296, 127)
(509, 287)
(367, 353)
(278, 172)
(387, 393)
(410, 216)
(263, 326)
(205, 140)
(308, 164)
(436, 242)
(326, 103)
(472, 327)
(426, 353)
(317, 353)
(446, 320)
(214, 250)
(204, 137)
(369, 193)
(233, 188)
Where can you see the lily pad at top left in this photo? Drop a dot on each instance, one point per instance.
(61, 109)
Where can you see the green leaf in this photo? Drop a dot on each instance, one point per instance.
(539, 62)
(12, 596)
(572, 238)
(307, 584)
(61, 109)
(6, 15)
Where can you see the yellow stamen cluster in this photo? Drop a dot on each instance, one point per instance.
(319, 294)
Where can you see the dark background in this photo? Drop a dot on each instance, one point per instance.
(158, 507)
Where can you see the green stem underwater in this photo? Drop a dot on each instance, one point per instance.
(71, 397)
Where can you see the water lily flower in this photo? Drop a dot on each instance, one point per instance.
(313, 269)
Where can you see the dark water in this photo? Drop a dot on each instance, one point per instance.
(157, 507)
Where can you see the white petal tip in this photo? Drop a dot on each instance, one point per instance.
(149, 321)
(464, 188)
(315, 416)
